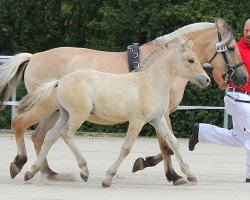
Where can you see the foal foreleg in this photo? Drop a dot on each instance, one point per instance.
(132, 133)
(161, 126)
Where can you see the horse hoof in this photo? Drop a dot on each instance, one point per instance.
(192, 179)
(27, 176)
(84, 177)
(105, 184)
(180, 181)
(14, 170)
(138, 165)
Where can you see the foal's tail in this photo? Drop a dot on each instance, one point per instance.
(11, 74)
(39, 95)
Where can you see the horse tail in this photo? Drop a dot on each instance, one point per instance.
(11, 74)
(39, 95)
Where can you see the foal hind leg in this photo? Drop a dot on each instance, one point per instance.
(51, 137)
(132, 133)
(38, 138)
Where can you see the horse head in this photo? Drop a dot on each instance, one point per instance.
(191, 66)
(226, 56)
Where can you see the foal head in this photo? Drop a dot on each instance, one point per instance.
(189, 66)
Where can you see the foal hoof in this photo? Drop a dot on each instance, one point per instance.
(180, 181)
(138, 165)
(84, 177)
(14, 170)
(192, 179)
(105, 184)
(27, 176)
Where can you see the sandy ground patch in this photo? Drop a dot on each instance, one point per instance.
(220, 172)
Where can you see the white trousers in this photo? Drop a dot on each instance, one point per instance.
(239, 136)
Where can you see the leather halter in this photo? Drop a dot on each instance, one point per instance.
(230, 69)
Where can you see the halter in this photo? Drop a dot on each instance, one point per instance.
(230, 69)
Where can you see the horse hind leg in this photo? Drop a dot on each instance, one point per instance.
(149, 161)
(19, 161)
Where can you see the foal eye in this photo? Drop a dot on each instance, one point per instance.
(191, 61)
(231, 48)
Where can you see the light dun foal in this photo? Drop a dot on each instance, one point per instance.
(140, 97)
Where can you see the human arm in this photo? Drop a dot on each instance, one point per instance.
(217, 75)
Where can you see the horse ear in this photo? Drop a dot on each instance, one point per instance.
(220, 25)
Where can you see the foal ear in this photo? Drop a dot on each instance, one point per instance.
(183, 43)
(190, 43)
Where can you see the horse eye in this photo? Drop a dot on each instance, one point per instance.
(231, 48)
(191, 61)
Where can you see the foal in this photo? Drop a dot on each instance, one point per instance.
(139, 98)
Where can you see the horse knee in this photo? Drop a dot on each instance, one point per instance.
(167, 150)
(126, 150)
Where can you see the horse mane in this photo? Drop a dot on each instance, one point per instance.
(228, 32)
(153, 53)
(181, 31)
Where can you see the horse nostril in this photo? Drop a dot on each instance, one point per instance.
(208, 80)
(245, 79)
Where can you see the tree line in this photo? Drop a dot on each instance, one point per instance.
(35, 25)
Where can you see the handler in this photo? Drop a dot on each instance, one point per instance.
(237, 103)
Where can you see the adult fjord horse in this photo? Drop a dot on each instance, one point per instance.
(58, 62)
(139, 98)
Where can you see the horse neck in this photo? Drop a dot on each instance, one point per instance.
(161, 70)
(204, 41)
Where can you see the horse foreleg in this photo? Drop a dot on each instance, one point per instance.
(161, 126)
(38, 138)
(170, 173)
(166, 151)
(132, 133)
